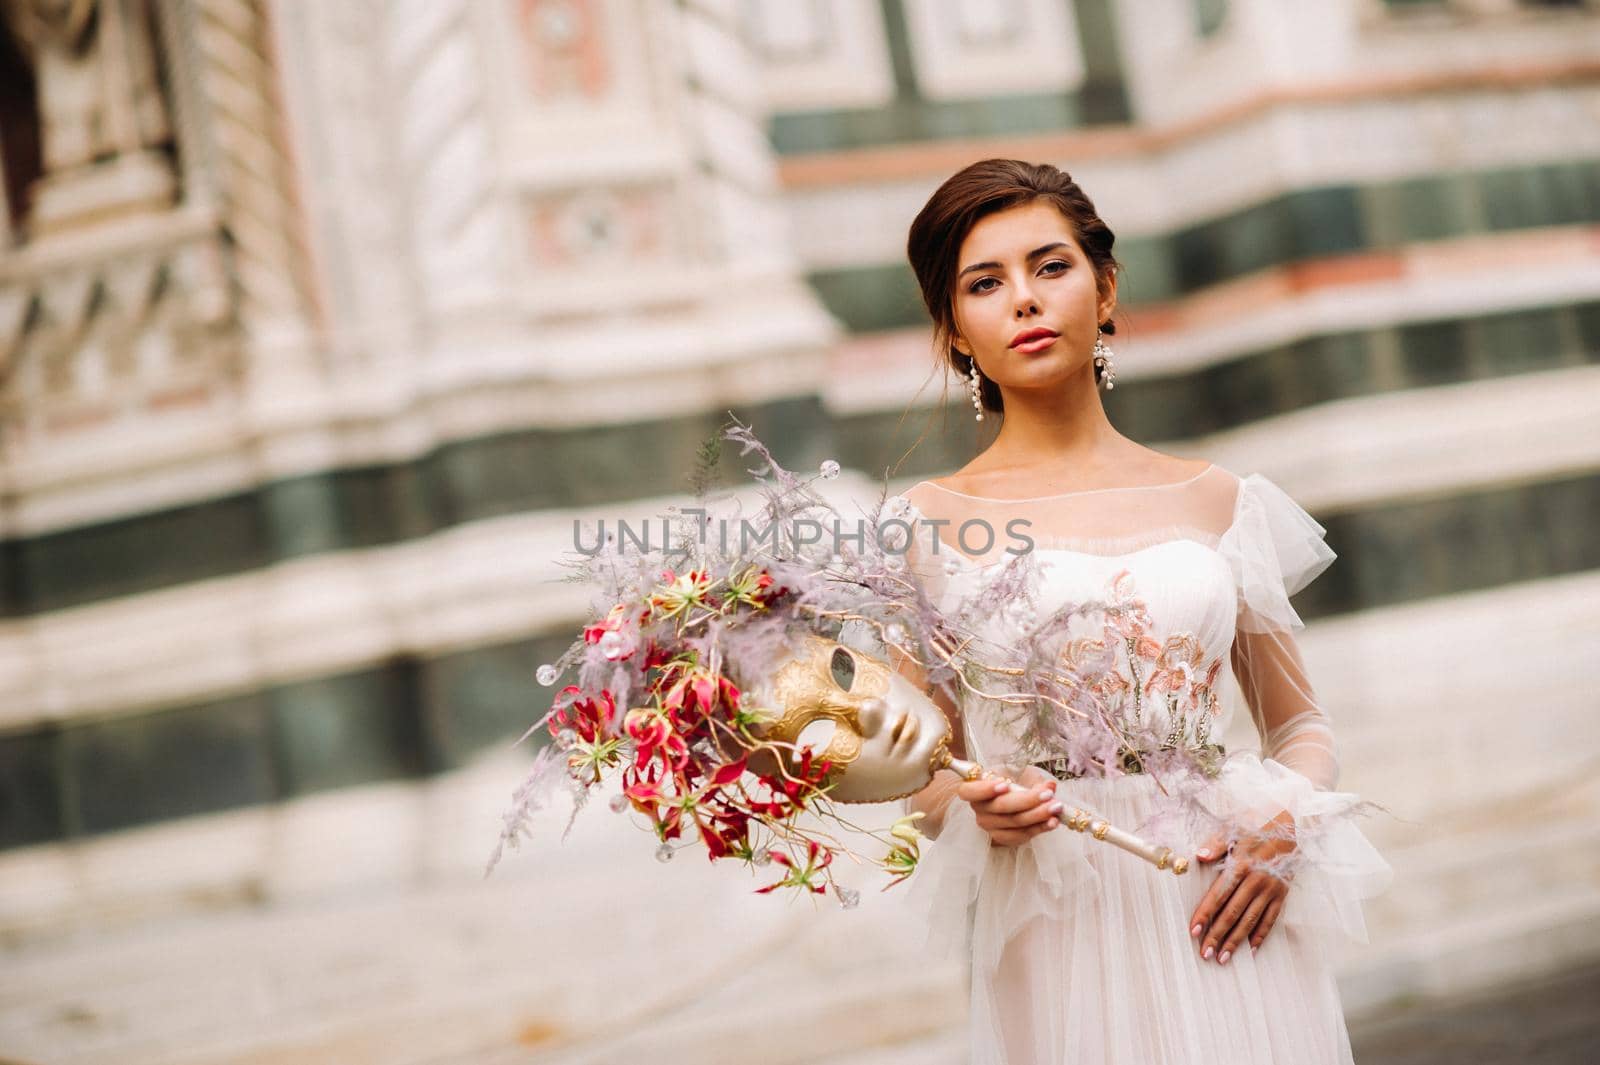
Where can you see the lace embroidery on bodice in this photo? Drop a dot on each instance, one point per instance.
(1172, 590)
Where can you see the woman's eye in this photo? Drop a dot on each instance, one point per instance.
(1054, 266)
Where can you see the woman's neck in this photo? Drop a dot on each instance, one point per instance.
(1064, 428)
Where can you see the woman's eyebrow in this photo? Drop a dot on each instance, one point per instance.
(1034, 254)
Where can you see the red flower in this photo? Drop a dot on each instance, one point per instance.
(590, 718)
(727, 774)
(652, 733)
(645, 795)
(610, 623)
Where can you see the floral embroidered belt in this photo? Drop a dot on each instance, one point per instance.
(1209, 756)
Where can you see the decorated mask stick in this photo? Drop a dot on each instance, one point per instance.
(888, 738)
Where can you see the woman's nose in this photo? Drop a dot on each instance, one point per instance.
(1025, 304)
(872, 715)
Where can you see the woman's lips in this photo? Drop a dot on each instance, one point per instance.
(1028, 347)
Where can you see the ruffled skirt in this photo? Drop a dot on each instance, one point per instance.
(1081, 952)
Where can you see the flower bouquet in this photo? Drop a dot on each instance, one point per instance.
(685, 687)
(714, 655)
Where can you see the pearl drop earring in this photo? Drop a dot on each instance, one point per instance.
(972, 386)
(1103, 359)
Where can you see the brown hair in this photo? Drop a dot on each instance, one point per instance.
(982, 189)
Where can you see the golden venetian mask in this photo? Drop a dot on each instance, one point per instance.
(888, 739)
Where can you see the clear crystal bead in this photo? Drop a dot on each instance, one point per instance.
(566, 737)
(849, 898)
(664, 853)
(762, 859)
(612, 645)
(619, 803)
(547, 674)
(895, 632)
(830, 469)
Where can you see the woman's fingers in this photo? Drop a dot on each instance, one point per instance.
(1015, 837)
(1046, 809)
(1201, 923)
(1268, 919)
(1212, 849)
(1227, 915)
(1013, 812)
(1042, 809)
(1013, 800)
(1246, 923)
(1236, 920)
(982, 790)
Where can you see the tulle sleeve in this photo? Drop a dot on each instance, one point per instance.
(1274, 549)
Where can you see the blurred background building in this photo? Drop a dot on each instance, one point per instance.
(321, 321)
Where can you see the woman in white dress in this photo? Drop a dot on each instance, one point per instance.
(1082, 953)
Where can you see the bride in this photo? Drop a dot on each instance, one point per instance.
(1081, 953)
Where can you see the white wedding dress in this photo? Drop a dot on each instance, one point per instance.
(1080, 951)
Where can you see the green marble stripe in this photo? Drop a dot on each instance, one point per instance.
(910, 117)
(410, 718)
(405, 719)
(459, 482)
(1294, 227)
(1257, 385)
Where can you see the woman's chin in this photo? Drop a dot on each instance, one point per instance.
(1045, 372)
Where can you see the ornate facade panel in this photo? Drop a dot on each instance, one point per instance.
(116, 305)
(821, 54)
(237, 79)
(445, 146)
(964, 50)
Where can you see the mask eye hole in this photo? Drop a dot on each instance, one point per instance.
(818, 734)
(843, 667)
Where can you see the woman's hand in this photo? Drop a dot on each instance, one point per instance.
(1248, 897)
(1013, 812)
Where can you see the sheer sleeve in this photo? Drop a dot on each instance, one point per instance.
(1275, 548)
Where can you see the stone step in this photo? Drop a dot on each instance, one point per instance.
(1478, 862)
(1527, 937)
(946, 1048)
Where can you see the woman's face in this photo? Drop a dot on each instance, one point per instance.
(1020, 271)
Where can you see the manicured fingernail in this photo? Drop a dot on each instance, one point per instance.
(1195, 931)
(1204, 852)
(1054, 822)
(1046, 793)
(1206, 953)
(1004, 785)
(1059, 808)
(1223, 959)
